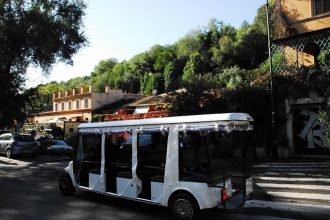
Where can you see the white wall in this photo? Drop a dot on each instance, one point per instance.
(45, 118)
(100, 99)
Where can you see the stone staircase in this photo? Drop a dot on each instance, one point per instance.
(296, 183)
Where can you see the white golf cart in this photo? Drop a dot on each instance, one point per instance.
(165, 161)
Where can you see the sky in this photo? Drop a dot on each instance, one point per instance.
(123, 28)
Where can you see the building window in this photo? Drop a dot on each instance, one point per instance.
(56, 107)
(321, 7)
(85, 103)
(78, 104)
(62, 106)
(70, 105)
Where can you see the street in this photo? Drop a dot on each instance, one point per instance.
(29, 190)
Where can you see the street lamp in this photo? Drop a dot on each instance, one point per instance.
(271, 80)
(153, 91)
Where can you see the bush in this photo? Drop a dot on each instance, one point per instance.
(325, 121)
(232, 77)
(324, 60)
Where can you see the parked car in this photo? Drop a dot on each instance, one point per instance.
(17, 144)
(59, 147)
(45, 142)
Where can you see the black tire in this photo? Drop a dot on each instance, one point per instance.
(8, 154)
(65, 185)
(184, 206)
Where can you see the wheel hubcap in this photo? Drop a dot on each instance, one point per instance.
(183, 209)
(63, 183)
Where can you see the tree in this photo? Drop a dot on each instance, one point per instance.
(260, 20)
(35, 32)
(192, 67)
(251, 48)
(104, 66)
(232, 78)
(192, 100)
(187, 45)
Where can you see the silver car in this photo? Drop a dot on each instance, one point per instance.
(17, 144)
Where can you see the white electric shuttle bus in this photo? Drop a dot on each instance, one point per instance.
(165, 161)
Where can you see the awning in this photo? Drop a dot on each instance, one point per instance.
(56, 120)
(141, 109)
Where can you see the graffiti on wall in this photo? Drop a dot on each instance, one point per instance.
(312, 132)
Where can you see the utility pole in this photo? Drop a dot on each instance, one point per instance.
(274, 133)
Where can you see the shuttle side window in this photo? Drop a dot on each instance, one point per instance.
(91, 147)
(152, 148)
(120, 147)
(151, 155)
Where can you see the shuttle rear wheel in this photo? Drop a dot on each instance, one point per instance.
(184, 206)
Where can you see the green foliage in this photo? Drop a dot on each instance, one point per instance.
(35, 32)
(37, 99)
(104, 66)
(278, 62)
(192, 66)
(325, 120)
(171, 77)
(74, 83)
(324, 59)
(251, 48)
(160, 56)
(187, 45)
(232, 78)
(210, 49)
(206, 59)
(260, 21)
(196, 88)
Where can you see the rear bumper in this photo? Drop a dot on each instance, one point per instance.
(21, 151)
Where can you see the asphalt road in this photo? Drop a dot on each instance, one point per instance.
(29, 190)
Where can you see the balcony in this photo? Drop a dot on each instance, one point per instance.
(72, 92)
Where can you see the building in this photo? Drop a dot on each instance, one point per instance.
(303, 28)
(147, 107)
(306, 16)
(78, 104)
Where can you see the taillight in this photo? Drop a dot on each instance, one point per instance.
(224, 195)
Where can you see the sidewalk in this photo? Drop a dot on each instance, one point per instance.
(296, 186)
(25, 161)
(4, 161)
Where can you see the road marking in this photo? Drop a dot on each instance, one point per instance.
(294, 186)
(292, 165)
(296, 195)
(294, 179)
(305, 208)
(304, 169)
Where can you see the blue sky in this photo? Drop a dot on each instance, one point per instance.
(124, 28)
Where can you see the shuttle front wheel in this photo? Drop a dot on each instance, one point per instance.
(65, 185)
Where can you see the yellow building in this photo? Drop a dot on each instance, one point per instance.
(78, 104)
(306, 15)
(305, 27)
